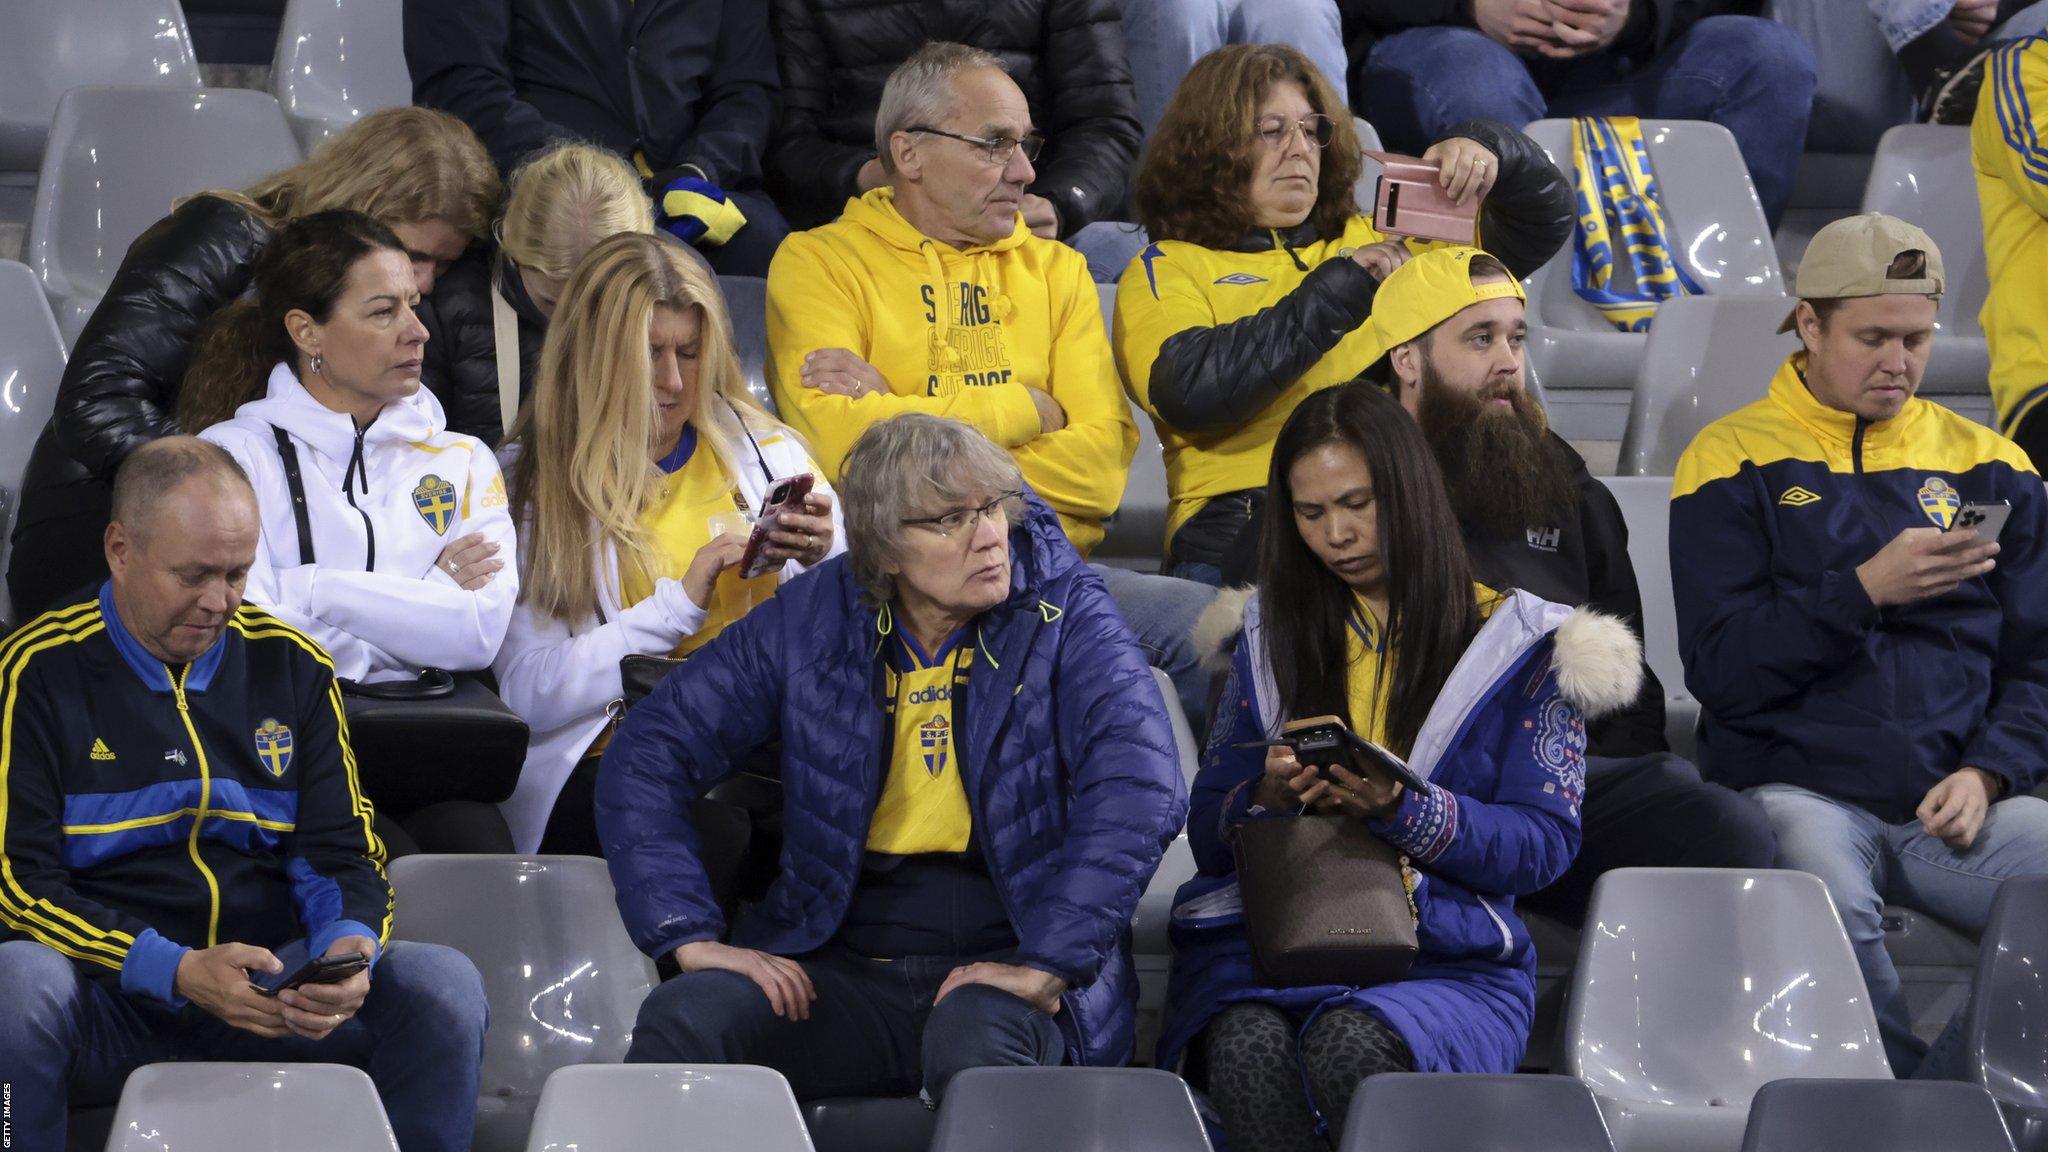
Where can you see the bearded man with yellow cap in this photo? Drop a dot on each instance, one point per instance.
(1533, 518)
(1869, 667)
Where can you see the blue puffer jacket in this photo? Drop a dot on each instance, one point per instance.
(1503, 753)
(1072, 774)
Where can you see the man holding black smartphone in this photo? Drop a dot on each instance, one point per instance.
(1870, 670)
(179, 817)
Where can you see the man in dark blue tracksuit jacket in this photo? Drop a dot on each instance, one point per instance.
(178, 814)
(1878, 682)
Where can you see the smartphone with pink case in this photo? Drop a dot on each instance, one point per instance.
(1408, 202)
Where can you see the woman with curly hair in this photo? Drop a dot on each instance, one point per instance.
(1256, 290)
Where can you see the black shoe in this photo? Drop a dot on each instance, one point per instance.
(1951, 98)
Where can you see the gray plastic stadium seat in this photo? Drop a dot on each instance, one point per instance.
(1068, 1110)
(1874, 1116)
(1369, 174)
(684, 1107)
(51, 45)
(874, 1124)
(250, 1108)
(118, 157)
(1922, 174)
(336, 61)
(1718, 232)
(2008, 1013)
(31, 364)
(1697, 986)
(1155, 907)
(1444, 1112)
(563, 980)
(746, 298)
(1646, 506)
(1138, 530)
(1705, 357)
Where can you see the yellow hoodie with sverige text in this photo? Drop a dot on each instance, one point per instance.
(958, 333)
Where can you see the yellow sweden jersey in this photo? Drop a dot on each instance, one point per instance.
(924, 803)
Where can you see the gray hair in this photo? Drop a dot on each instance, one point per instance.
(920, 90)
(914, 465)
(156, 469)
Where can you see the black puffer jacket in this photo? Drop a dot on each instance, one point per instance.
(461, 359)
(1217, 376)
(120, 387)
(1067, 56)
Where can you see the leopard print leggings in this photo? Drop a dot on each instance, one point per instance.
(1255, 1072)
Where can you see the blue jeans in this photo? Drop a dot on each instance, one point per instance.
(67, 1041)
(1164, 38)
(1162, 611)
(1110, 246)
(1866, 862)
(1750, 76)
(872, 1031)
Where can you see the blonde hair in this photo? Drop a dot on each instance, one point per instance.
(566, 199)
(396, 166)
(585, 475)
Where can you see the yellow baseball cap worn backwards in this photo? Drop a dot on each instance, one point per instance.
(1429, 289)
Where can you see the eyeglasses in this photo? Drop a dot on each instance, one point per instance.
(1315, 128)
(1006, 506)
(999, 150)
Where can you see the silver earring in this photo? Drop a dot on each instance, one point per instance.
(317, 364)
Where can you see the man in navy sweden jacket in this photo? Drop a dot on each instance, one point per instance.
(181, 816)
(993, 927)
(1878, 681)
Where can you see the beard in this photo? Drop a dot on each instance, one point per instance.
(1503, 471)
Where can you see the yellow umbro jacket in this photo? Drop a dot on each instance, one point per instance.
(956, 333)
(2011, 159)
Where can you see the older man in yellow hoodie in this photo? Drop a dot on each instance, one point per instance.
(930, 295)
(933, 294)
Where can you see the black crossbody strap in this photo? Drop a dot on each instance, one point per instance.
(289, 453)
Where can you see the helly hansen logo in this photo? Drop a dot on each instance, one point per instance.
(100, 751)
(1240, 279)
(1797, 497)
(1543, 539)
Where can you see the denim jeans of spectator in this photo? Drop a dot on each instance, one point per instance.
(1749, 75)
(873, 1029)
(70, 1042)
(1867, 863)
(1162, 611)
(1110, 246)
(1164, 38)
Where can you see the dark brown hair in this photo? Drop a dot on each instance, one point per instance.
(1908, 265)
(1193, 178)
(1432, 613)
(303, 268)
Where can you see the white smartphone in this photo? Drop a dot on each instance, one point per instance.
(1988, 519)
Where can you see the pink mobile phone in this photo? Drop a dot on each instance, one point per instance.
(1408, 202)
(784, 494)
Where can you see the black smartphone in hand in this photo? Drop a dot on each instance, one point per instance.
(312, 970)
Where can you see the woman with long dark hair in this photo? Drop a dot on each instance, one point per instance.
(1367, 610)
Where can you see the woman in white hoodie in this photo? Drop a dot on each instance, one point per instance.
(637, 466)
(385, 536)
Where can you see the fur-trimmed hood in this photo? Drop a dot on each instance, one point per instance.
(1598, 658)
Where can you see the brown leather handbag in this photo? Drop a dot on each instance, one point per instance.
(1325, 902)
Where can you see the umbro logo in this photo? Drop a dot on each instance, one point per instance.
(1797, 497)
(1240, 279)
(100, 751)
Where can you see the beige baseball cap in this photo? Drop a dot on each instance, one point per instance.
(1851, 256)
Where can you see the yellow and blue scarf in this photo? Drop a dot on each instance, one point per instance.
(1617, 194)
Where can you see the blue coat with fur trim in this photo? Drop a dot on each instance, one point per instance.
(1070, 766)
(1503, 754)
